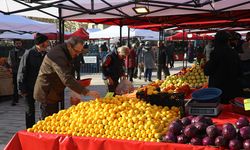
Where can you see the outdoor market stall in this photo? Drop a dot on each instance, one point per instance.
(26, 140)
(119, 13)
(79, 135)
(113, 32)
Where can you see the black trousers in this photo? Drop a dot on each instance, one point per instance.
(131, 74)
(165, 69)
(112, 88)
(15, 94)
(29, 110)
(171, 61)
(48, 109)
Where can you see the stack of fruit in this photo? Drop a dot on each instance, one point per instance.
(149, 90)
(117, 117)
(187, 78)
(201, 131)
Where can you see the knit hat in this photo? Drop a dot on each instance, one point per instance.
(40, 38)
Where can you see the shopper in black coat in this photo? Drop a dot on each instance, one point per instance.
(223, 68)
(162, 58)
(27, 74)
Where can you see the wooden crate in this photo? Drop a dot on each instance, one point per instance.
(6, 86)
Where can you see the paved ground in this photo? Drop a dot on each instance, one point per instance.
(13, 118)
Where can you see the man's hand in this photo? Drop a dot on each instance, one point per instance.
(94, 94)
(110, 81)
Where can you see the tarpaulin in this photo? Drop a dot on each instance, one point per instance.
(23, 140)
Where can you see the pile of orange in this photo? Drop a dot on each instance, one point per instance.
(117, 117)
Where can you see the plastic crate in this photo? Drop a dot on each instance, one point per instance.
(164, 99)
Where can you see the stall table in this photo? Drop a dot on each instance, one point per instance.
(23, 140)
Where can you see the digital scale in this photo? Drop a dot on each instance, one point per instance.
(202, 108)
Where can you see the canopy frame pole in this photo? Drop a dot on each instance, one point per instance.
(61, 40)
(161, 40)
(183, 47)
(128, 36)
(121, 42)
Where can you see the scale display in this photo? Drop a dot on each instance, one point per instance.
(202, 111)
(206, 109)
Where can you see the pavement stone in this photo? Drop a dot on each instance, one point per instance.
(13, 117)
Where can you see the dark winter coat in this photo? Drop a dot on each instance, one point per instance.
(14, 59)
(78, 61)
(28, 70)
(56, 74)
(223, 69)
(162, 55)
(113, 66)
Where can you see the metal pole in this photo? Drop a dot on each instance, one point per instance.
(63, 31)
(61, 36)
(60, 25)
(120, 35)
(159, 52)
(183, 47)
(128, 36)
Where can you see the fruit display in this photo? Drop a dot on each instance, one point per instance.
(117, 118)
(149, 90)
(201, 131)
(185, 80)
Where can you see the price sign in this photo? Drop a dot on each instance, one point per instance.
(247, 104)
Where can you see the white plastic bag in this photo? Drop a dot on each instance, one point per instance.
(124, 87)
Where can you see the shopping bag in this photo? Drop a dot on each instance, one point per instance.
(124, 87)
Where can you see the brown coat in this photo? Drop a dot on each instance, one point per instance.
(56, 74)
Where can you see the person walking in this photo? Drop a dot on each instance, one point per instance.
(148, 61)
(14, 59)
(56, 73)
(77, 62)
(170, 53)
(139, 59)
(131, 62)
(27, 75)
(104, 50)
(162, 59)
(113, 67)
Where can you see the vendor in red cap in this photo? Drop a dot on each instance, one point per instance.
(27, 73)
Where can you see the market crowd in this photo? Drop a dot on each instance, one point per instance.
(41, 74)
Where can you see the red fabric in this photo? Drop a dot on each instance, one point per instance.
(55, 36)
(130, 59)
(180, 36)
(40, 141)
(164, 21)
(227, 115)
(178, 57)
(83, 34)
